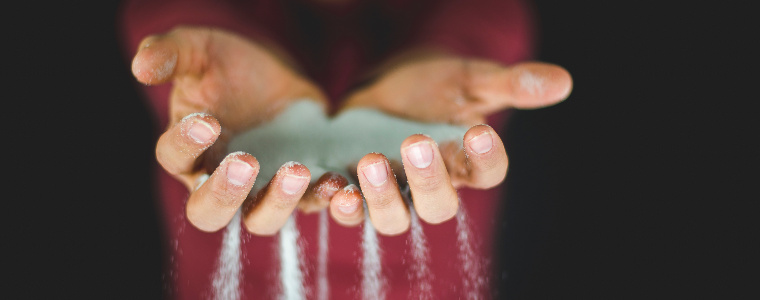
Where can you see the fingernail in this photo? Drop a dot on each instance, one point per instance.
(292, 184)
(481, 143)
(345, 205)
(201, 132)
(420, 154)
(376, 173)
(238, 172)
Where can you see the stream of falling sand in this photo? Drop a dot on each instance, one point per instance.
(304, 123)
(226, 280)
(291, 276)
(372, 277)
(323, 287)
(472, 281)
(420, 274)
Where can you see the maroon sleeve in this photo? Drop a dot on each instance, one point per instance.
(141, 18)
(499, 30)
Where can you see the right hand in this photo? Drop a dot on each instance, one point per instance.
(439, 87)
(224, 84)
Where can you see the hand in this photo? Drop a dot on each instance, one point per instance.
(441, 88)
(224, 84)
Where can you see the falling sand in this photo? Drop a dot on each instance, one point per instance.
(323, 286)
(372, 273)
(420, 275)
(226, 282)
(291, 266)
(325, 145)
(473, 280)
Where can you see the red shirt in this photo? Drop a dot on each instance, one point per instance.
(334, 43)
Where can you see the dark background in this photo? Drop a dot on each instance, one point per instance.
(639, 186)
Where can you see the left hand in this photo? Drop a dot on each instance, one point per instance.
(443, 88)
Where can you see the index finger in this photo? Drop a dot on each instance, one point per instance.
(180, 146)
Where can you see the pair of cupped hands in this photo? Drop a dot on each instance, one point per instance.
(225, 84)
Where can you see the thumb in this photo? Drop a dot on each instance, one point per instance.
(161, 58)
(527, 85)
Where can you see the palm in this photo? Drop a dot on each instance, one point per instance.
(428, 91)
(459, 90)
(240, 83)
(462, 91)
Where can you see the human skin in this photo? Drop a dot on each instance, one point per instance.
(433, 86)
(224, 84)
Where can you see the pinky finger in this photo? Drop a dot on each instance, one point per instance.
(318, 196)
(485, 160)
(346, 206)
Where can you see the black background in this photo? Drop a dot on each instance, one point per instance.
(639, 186)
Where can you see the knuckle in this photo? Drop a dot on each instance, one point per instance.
(381, 202)
(428, 182)
(283, 203)
(223, 198)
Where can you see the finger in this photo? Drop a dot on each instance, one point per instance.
(525, 85)
(179, 147)
(215, 202)
(160, 58)
(346, 206)
(318, 195)
(434, 198)
(387, 209)
(482, 163)
(274, 204)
